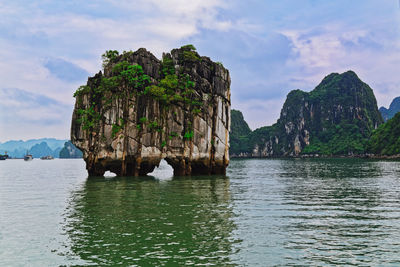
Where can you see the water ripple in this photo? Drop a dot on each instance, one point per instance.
(298, 212)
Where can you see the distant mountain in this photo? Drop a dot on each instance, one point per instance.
(336, 118)
(70, 151)
(386, 139)
(239, 132)
(393, 109)
(41, 150)
(56, 152)
(18, 148)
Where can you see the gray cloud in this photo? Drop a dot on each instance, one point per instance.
(65, 70)
(27, 107)
(270, 47)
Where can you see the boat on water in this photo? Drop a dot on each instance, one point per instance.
(4, 157)
(28, 157)
(46, 157)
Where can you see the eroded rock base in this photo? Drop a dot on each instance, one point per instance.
(132, 167)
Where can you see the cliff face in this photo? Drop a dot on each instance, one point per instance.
(336, 118)
(142, 110)
(239, 132)
(394, 108)
(69, 151)
(41, 150)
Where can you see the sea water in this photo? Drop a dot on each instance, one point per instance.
(264, 212)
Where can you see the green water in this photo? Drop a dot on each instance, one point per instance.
(317, 212)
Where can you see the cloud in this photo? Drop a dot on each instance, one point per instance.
(254, 62)
(261, 112)
(29, 107)
(64, 30)
(338, 48)
(48, 48)
(270, 47)
(65, 70)
(25, 114)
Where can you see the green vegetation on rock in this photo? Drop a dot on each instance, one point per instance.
(123, 80)
(109, 56)
(347, 115)
(189, 53)
(172, 89)
(117, 127)
(139, 109)
(343, 139)
(188, 135)
(239, 132)
(336, 118)
(386, 139)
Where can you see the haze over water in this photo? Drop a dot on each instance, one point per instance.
(264, 213)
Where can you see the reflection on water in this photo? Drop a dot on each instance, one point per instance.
(320, 212)
(151, 223)
(332, 206)
(270, 212)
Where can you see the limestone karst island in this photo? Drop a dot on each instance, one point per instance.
(339, 117)
(141, 110)
(224, 133)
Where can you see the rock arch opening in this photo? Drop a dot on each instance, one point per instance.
(163, 171)
(109, 174)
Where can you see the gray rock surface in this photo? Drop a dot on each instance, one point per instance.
(137, 148)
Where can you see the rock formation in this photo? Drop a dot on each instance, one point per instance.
(69, 151)
(41, 150)
(394, 108)
(385, 141)
(239, 133)
(336, 118)
(142, 109)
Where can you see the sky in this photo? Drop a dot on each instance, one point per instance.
(48, 48)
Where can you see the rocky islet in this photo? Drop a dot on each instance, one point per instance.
(142, 109)
(337, 118)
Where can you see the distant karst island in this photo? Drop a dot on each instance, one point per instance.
(388, 113)
(40, 148)
(339, 117)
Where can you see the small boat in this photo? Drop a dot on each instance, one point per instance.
(28, 157)
(46, 158)
(4, 157)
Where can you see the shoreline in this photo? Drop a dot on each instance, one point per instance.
(366, 156)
